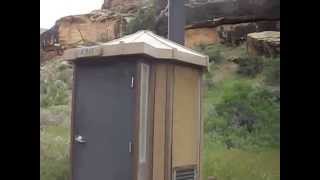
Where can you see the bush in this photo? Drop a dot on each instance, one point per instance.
(145, 20)
(213, 51)
(55, 84)
(271, 71)
(54, 93)
(250, 66)
(269, 67)
(245, 116)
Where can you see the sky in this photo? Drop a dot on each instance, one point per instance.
(52, 10)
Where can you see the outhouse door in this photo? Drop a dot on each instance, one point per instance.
(103, 121)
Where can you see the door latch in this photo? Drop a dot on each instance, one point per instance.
(130, 147)
(80, 139)
(132, 82)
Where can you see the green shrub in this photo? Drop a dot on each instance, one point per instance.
(271, 71)
(213, 51)
(245, 115)
(145, 20)
(55, 84)
(221, 53)
(268, 67)
(54, 92)
(250, 66)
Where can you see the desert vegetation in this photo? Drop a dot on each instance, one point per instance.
(242, 116)
(55, 90)
(241, 110)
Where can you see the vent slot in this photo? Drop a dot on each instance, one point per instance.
(185, 174)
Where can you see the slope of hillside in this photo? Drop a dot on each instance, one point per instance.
(241, 102)
(242, 120)
(242, 115)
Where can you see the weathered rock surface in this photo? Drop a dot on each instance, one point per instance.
(204, 27)
(208, 9)
(230, 31)
(87, 29)
(230, 20)
(234, 34)
(265, 43)
(203, 10)
(201, 36)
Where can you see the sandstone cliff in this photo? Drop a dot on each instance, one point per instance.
(265, 43)
(202, 10)
(87, 29)
(208, 21)
(230, 30)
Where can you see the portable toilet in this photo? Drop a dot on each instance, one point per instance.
(136, 110)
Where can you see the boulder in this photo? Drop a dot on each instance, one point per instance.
(265, 43)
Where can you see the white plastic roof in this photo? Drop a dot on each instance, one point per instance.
(141, 42)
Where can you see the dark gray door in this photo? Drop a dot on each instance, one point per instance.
(104, 118)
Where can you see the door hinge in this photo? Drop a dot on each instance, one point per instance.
(132, 82)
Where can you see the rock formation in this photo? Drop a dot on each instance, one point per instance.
(208, 22)
(234, 34)
(229, 30)
(201, 36)
(87, 29)
(203, 10)
(265, 43)
(98, 26)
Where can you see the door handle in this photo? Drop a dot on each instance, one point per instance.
(130, 146)
(80, 139)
